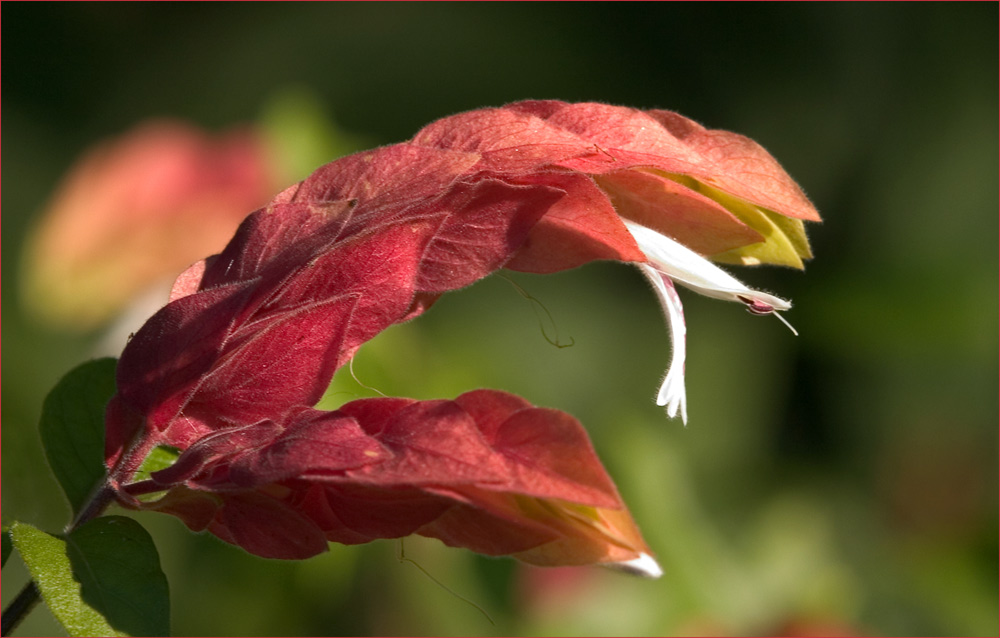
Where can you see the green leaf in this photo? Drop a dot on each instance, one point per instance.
(72, 428)
(103, 580)
(119, 569)
(45, 556)
(162, 457)
(6, 545)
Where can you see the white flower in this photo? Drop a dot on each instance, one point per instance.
(669, 262)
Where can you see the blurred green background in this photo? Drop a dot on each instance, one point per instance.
(844, 481)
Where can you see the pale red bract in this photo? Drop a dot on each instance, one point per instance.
(228, 372)
(136, 210)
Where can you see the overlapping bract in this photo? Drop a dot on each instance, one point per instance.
(230, 369)
(486, 471)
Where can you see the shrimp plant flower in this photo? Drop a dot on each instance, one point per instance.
(226, 375)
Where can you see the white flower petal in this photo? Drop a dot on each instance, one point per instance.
(672, 393)
(671, 261)
(645, 566)
(694, 271)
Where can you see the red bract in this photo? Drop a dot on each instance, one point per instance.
(487, 471)
(229, 370)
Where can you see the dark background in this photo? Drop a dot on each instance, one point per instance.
(843, 481)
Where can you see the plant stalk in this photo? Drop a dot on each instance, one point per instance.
(19, 608)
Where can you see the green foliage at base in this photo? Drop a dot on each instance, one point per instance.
(103, 579)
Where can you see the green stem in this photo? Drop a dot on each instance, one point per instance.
(19, 608)
(99, 501)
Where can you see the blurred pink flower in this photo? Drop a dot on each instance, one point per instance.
(135, 211)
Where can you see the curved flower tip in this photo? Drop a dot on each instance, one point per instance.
(645, 566)
(583, 535)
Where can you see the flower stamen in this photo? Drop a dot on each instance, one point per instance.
(757, 307)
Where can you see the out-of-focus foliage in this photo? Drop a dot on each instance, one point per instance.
(844, 481)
